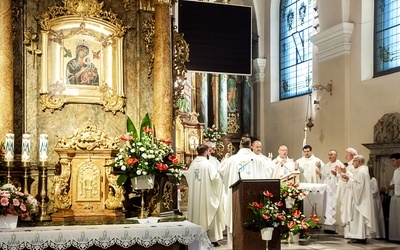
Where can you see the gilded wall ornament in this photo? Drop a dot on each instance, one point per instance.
(233, 126)
(80, 41)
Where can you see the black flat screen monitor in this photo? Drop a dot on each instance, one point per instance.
(219, 36)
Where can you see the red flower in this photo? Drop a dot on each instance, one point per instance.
(162, 166)
(291, 224)
(315, 218)
(173, 159)
(266, 216)
(296, 214)
(257, 205)
(126, 137)
(279, 203)
(166, 141)
(304, 225)
(280, 216)
(268, 194)
(131, 161)
(147, 130)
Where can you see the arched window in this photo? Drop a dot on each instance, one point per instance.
(387, 37)
(295, 48)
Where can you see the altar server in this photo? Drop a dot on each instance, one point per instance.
(243, 165)
(357, 217)
(205, 196)
(394, 217)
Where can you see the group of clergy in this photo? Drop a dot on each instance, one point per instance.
(358, 208)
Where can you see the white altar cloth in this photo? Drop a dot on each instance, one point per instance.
(321, 195)
(104, 236)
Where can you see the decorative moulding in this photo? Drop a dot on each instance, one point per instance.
(334, 41)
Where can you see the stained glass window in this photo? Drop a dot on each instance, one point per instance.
(295, 48)
(387, 37)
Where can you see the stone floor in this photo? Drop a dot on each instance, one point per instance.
(323, 241)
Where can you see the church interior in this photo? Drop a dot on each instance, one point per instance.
(138, 62)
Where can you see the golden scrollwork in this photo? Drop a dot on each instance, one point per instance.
(148, 27)
(115, 192)
(219, 149)
(233, 126)
(31, 39)
(168, 196)
(230, 148)
(181, 55)
(88, 138)
(59, 193)
(83, 9)
(111, 102)
(88, 182)
(52, 103)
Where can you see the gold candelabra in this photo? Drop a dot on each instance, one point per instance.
(9, 165)
(43, 193)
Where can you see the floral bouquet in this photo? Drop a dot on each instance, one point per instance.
(211, 134)
(144, 154)
(292, 190)
(14, 202)
(297, 222)
(266, 213)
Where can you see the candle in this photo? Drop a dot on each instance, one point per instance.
(43, 146)
(9, 147)
(26, 148)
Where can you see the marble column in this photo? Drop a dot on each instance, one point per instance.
(6, 66)
(163, 111)
(223, 103)
(246, 108)
(204, 99)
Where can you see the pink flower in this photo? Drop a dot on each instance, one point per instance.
(19, 193)
(23, 207)
(4, 201)
(16, 202)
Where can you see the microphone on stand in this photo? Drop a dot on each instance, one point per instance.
(242, 166)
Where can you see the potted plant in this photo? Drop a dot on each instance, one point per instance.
(297, 223)
(13, 204)
(211, 134)
(291, 193)
(143, 154)
(267, 215)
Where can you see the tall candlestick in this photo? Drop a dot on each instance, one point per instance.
(26, 148)
(43, 146)
(9, 148)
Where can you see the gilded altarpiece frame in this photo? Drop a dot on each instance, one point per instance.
(82, 56)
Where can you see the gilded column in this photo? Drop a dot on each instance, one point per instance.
(162, 70)
(223, 103)
(6, 66)
(204, 99)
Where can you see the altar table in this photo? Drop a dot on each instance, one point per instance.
(321, 199)
(106, 236)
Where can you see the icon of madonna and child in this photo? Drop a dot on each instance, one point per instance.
(81, 70)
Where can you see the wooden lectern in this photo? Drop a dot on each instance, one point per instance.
(246, 191)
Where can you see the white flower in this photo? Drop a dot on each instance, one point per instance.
(142, 149)
(144, 173)
(139, 172)
(123, 167)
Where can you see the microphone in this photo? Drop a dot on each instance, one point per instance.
(242, 166)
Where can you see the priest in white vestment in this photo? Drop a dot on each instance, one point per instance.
(357, 216)
(344, 197)
(256, 147)
(377, 209)
(394, 212)
(205, 195)
(328, 175)
(308, 166)
(283, 164)
(243, 165)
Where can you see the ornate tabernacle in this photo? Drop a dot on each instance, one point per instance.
(86, 189)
